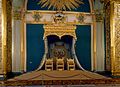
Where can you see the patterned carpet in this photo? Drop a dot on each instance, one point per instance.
(59, 75)
(77, 77)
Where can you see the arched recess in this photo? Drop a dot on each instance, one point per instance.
(93, 31)
(22, 32)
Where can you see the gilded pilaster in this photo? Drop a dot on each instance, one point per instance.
(112, 8)
(7, 35)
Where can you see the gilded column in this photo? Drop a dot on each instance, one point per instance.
(16, 28)
(19, 40)
(7, 35)
(99, 36)
(113, 36)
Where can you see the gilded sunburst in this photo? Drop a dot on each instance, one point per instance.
(60, 4)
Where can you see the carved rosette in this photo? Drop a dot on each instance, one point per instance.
(59, 30)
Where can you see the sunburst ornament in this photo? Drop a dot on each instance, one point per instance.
(60, 5)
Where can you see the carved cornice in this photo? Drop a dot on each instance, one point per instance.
(49, 17)
(59, 30)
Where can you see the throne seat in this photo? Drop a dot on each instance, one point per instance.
(49, 64)
(70, 64)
